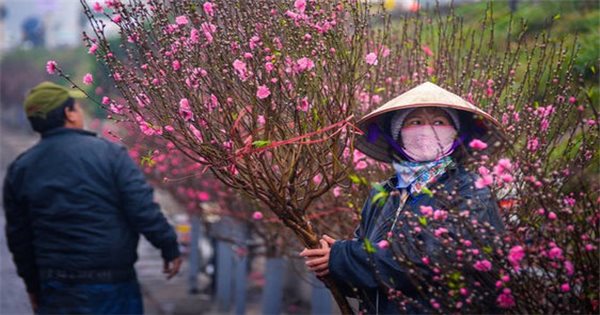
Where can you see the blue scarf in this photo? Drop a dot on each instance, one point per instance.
(416, 175)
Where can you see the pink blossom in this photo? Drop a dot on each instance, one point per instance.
(240, 68)
(383, 244)
(263, 92)
(51, 66)
(337, 191)
(425, 260)
(196, 132)
(181, 20)
(385, 52)
(552, 216)
(305, 64)
(303, 105)
(257, 215)
(440, 215)
(117, 109)
(208, 8)
(318, 179)
(93, 48)
(194, 36)
(572, 100)
(269, 66)
(569, 267)
(565, 287)
(483, 265)
(169, 128)
(371, 59)
(248, 55)
(117, 18)
(203, 196)
(88, 79)
(478, 145)
(427, 50)
(555, 253)
(185, 110)
(505, 300)
(97, 7)
(142, 100)
(532, 144)
(105, 100)
(300, 5)
(254, 40)
(176, 65)
(117, 76)
(515, 255)
(361, 165)
(438, 232)
(208, 29)
(483, 170)
(504, 165)
(484, 181)
(426, 210)
(260, 120)
(357, 156)
(507, 178)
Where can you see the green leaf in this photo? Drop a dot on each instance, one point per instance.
(379, 89)
(261, 143)
(487, 249)
(455, 276)
(425, 190)
(369, 247)
(377, 186)
(593, 68)
(536, 104)
(381, 197)
(423, 221)
(147, 159)
(556, 17)
(354, 178)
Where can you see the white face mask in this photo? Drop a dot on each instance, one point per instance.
(428, 142)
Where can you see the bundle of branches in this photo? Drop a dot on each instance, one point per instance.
(261, 91)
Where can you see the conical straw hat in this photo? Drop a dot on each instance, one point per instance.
(427, 94)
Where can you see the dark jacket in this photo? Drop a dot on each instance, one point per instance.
(76, 202)
(367, 276)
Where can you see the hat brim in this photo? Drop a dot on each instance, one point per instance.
(77, 94)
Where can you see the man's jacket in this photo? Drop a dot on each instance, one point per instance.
(77, 203)
(368, 275)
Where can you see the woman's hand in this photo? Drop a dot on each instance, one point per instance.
(317, 260)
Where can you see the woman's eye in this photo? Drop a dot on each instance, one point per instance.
(414, 122)
(439, 123)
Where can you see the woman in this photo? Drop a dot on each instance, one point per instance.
(422, 133)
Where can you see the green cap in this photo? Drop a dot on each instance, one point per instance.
(47, 96)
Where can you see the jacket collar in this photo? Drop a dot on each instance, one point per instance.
(391, 183)
(64, 130)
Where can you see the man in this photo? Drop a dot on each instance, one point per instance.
(75, 205)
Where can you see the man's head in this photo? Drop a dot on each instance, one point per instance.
(50, 106)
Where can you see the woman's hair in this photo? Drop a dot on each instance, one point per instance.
(54, 119)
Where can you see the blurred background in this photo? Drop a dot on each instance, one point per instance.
(225, 268)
